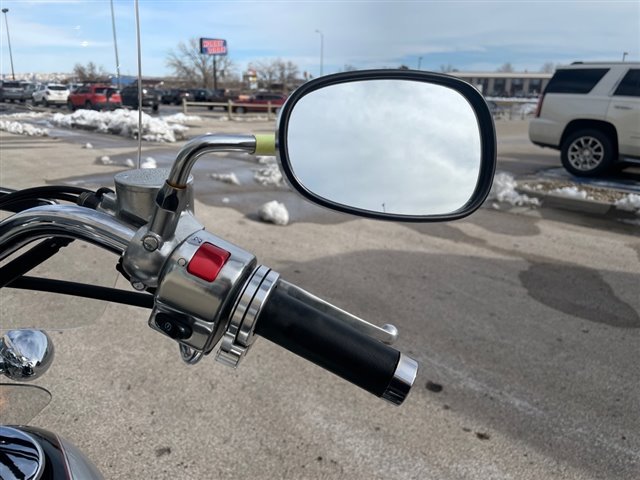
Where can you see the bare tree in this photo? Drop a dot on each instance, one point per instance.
(89, 72)
(448, 68)
(192, 67)
(278, 71)
(266, 71)
(506, 68)
(548, 67)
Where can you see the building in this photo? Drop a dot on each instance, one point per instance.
(506, 84)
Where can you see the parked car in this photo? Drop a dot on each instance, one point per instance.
(218, 95)
(27, 90)
(12, 91)
(98, 97)
(199, 95)
(591, 113)
(259, 102)
(50, 94)
(175, 96)
(150, 97)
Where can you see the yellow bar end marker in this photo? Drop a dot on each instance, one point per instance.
(265, 144)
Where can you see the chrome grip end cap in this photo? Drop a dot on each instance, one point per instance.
(402, 381)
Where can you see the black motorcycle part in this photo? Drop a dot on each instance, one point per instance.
(31, 259)
(143, 300)
(327, 342)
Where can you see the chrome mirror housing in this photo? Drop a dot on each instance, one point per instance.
(389, 144)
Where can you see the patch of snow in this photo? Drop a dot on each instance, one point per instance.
(121, 122)
(264, 160)
(274, 212)
(270, 175)
(504, 190)
(570, 192)
(106, 160)
(87, 145)
(181, 118)
(629, 203)
(226, 178)
(129, 163)
(225, 200)
(23, 129)
(26, 115)
(148, 162)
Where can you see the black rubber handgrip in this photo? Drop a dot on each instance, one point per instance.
(328, 342)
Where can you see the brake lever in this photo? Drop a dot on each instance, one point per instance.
(387, 334)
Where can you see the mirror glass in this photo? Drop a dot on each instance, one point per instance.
(399, 147)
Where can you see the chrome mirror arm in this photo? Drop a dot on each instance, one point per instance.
(154, 242)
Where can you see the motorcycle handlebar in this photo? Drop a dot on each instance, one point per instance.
(331, 343)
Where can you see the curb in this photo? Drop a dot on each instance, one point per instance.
(582, 205)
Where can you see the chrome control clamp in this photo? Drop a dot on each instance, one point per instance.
(239, 335)
(195, 296)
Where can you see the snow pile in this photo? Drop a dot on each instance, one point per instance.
(266, 160)
(570, 192)
(105, 160)
(229, 178)
(629, 203)
(87, 145)
(27, 115)
(121, 122)
(270, 175)
(23, 129)
(148, 162)
(274, 212)
(504, 190)
(528, 109)
(181, 118)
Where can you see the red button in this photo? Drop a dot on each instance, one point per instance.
(207, 262)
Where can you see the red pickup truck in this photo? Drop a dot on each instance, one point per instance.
(95, 97)
(259, 102)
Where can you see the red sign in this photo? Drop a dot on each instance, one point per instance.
(213, 46)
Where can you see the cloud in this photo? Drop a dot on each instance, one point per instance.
(363, 34)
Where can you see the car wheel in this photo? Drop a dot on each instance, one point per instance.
(70, 105)
(587, 153)
(45, 103)
(88, 105)
(241, 110)
(155, 107)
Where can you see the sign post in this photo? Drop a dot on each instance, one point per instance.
(214, 47)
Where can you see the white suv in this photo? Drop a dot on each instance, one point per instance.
(591, 113)
(51, 94)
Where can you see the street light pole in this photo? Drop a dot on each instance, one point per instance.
(6, 22)
(321, 50)
(115, 45)
(624, 55)
(419, 62)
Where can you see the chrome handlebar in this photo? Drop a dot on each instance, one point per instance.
(68, 221)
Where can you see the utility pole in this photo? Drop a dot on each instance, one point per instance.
(115, 45)
(321, 50)
(6, 22)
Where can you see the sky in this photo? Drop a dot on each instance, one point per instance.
(52, 36)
